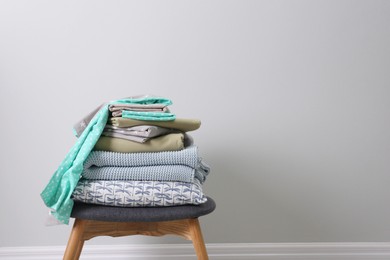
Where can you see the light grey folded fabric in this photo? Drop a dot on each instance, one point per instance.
(182, 124)
(188, 140)
(116, 109)
(141, 131)
(152, 107)
(139, 134)
(80, 126)
(133, 138)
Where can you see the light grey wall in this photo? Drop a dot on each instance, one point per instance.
(293, 97)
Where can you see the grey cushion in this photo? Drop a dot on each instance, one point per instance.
(141, 214)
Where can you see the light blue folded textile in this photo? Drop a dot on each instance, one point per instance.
(183, 165)
(56, 195)
(187, 156)
(180, 173)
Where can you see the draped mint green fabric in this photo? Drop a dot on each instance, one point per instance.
(57, 193)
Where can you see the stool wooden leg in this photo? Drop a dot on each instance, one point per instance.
(76, 241)
(79, 249)
(197, 239)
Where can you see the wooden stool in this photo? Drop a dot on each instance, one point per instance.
(95, 220)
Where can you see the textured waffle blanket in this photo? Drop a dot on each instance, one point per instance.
(138, 193)
(184, 165)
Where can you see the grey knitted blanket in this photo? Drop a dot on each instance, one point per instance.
(183, 165)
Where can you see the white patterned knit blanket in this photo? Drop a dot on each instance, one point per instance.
(138, 193)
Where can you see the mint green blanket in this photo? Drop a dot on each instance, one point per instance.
(148, 116)
(58, 191)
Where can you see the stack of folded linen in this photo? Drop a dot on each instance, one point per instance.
(143, 158)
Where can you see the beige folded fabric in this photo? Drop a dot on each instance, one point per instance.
(182, 124)
(169, 142)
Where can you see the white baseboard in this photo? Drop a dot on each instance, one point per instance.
(223, 251)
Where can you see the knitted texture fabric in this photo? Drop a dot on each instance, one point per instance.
(143, 173)
(187, 156)
(183, 165)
